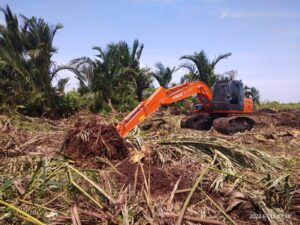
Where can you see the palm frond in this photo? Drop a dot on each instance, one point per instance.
(219, 58)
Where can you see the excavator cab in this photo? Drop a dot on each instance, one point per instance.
(228, 95)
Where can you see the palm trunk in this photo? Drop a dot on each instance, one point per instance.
(111, 106)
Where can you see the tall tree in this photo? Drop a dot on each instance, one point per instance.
(26, 57)
(201, 68)
(11, 49)
(163, 74)
(142, 81)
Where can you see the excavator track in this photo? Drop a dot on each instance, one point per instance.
(233, 124)
(197, 122)
(225, 125)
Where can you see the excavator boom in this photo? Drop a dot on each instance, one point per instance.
(163, 96)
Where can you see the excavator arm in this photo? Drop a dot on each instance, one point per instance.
(163, 96)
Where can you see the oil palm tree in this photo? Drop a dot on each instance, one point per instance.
(61, 84)
(142, 81)
(163, 74)
(38, 42)
(200, 67)
(26, 56)
(110, 74)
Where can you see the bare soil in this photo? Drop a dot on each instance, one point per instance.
(134, 174)
(286, 118)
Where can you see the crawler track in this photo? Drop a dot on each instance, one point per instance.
(225, 125)
(233, 124)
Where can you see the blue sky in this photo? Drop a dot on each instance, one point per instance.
(263, 35)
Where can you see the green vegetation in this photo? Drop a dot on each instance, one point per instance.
(201, 68)
(27, 70)
(114, 76)
(163, 75)
(279, 106)
(252, 92)
(112, 81)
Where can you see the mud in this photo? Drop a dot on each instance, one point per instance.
(91, 138)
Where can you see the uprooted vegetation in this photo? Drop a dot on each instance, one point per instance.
(68, 171)
(88, 140)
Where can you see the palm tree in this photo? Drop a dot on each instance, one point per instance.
(11, 49)
(201, 68)
(26, 57)
(38, 41)
(142, 81)
(110, 74)
(61, 84)
(163, 74)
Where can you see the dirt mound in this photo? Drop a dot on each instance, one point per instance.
(154, 124)
(264, 110)
(92, 138)
(289, 118)
(160, 181)
(285, 118)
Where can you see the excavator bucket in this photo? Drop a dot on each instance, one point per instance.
(233, 124)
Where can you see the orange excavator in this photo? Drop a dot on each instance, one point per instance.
(224, 108)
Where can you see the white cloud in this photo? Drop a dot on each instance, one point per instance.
(256, 14)
(2, 22)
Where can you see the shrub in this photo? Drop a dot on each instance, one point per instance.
(279, 106)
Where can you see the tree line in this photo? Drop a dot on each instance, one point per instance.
(112, 81)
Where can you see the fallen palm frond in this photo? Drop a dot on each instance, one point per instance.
(134, 138)
(199, 179)
(225, 165)
(110, 198)
(195, 219)
(82, 190)
(218, 207)
(274, 215)
(23, 214)
(169, 203)
(239, 155)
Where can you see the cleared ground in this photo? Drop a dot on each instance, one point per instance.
(78, 170)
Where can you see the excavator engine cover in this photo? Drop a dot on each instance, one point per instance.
(228, 95)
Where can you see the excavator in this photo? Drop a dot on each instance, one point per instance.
(224, 107)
